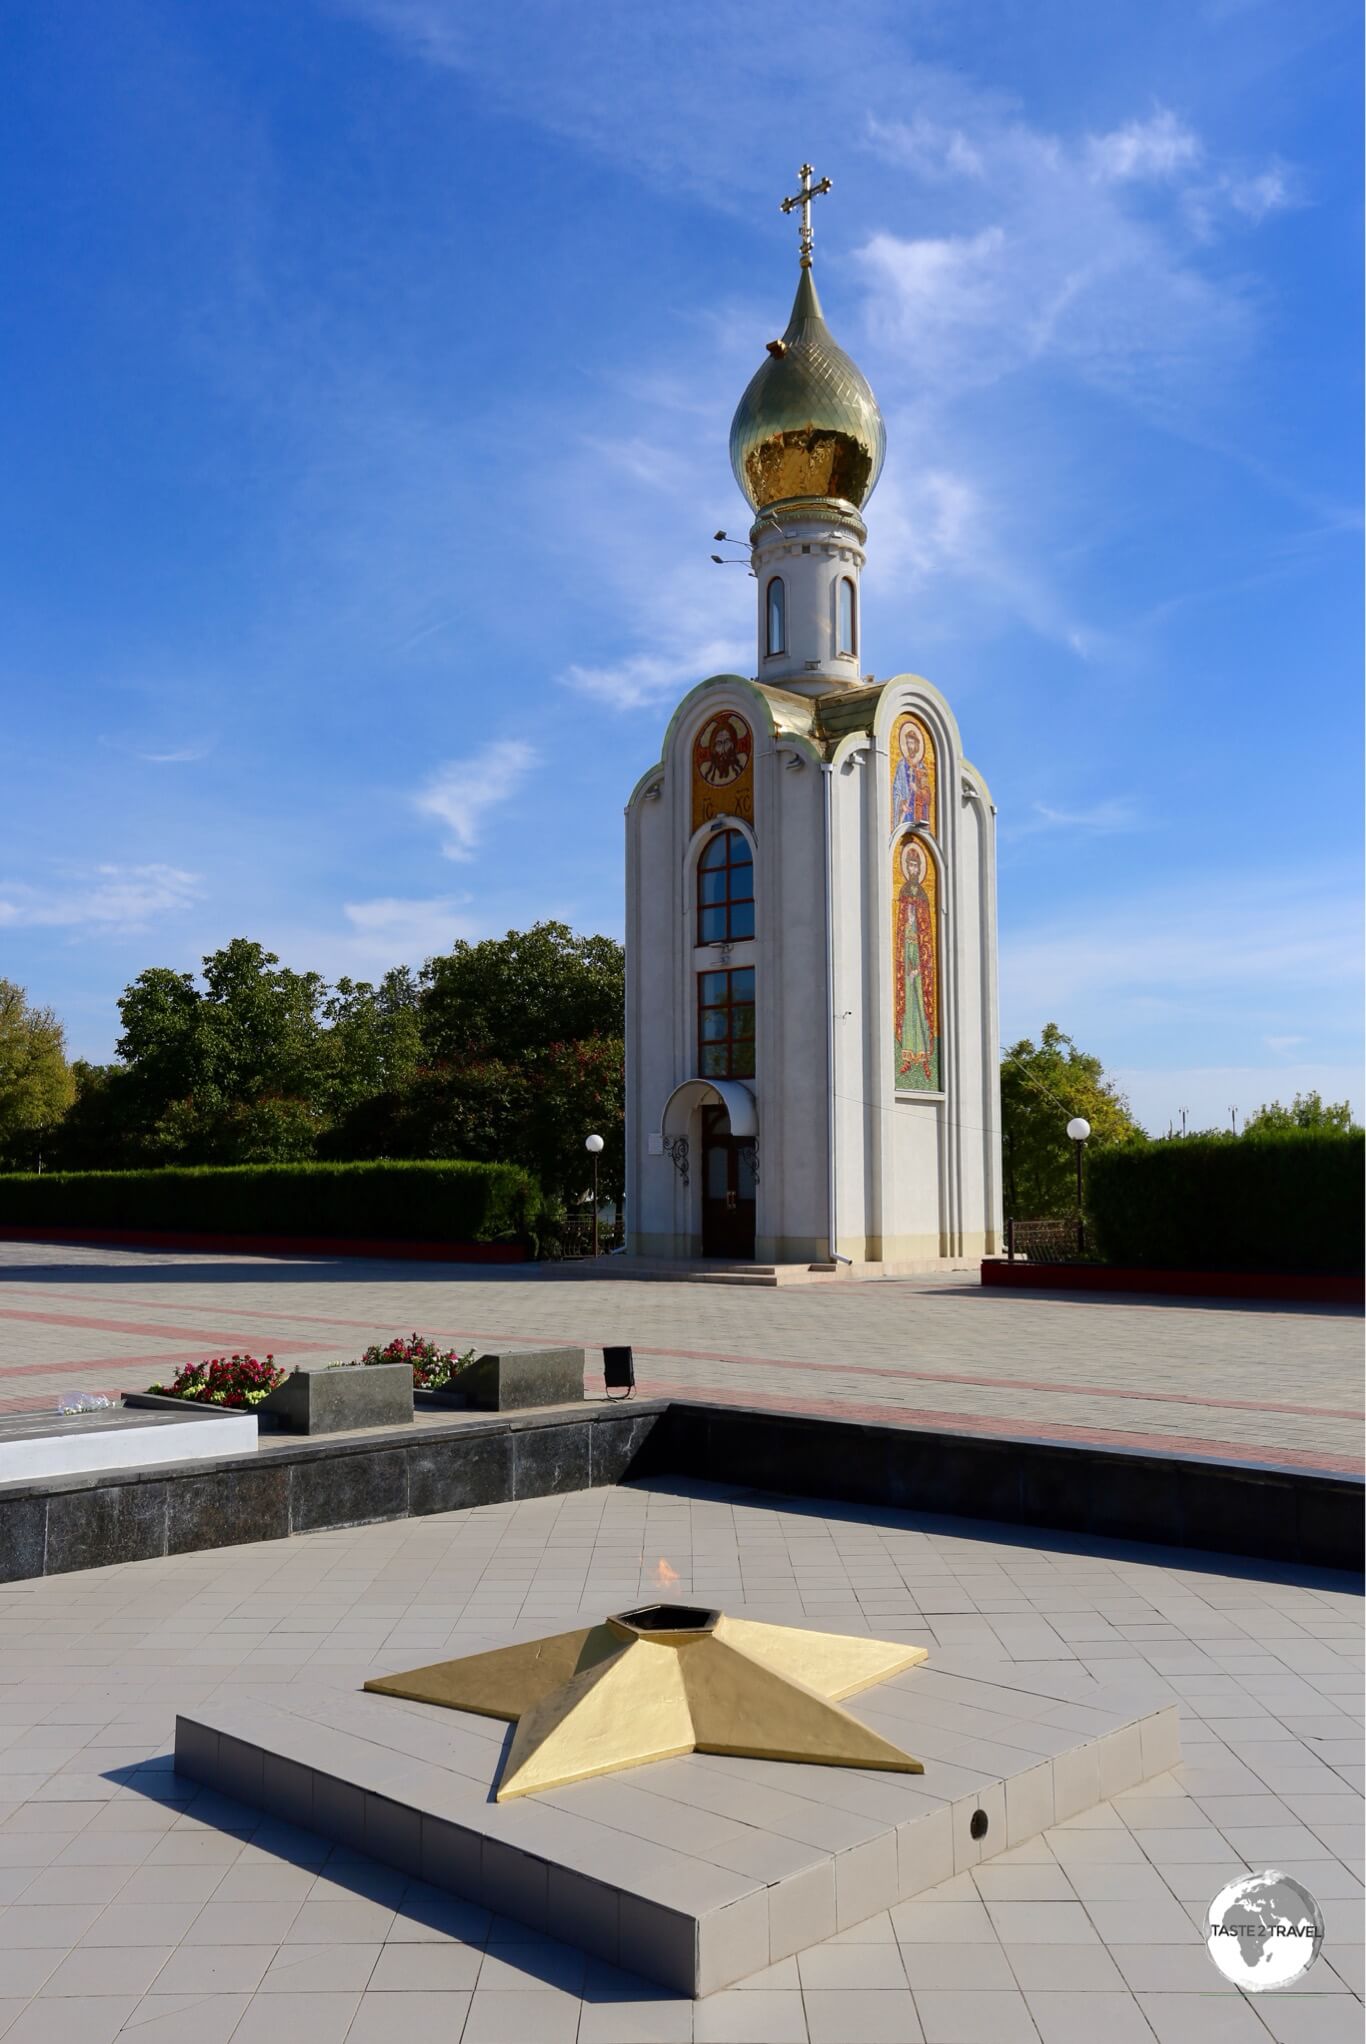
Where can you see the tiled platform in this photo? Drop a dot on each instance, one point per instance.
(705, 1869)
(139, 1906)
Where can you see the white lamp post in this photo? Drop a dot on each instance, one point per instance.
(593, 1145)
(1079, 1129)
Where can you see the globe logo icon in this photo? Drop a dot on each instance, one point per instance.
(1263, 1931)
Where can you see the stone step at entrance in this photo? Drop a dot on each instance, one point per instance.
(706, 1270)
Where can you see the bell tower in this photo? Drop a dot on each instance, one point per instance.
(811, 1035)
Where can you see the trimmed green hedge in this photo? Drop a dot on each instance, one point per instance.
(1289, 1201)
(418, 1202)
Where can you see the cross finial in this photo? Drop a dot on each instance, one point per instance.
(803, 199)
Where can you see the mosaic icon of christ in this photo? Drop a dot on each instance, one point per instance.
(723, 752)
(917, 1037)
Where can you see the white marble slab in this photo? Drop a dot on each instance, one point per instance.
(38, 1445)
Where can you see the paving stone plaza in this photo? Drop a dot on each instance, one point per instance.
(1250, 1383)
(135, 1903)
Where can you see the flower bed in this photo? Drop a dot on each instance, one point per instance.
(238, 1381)
(244, 1381)
(433, 1369)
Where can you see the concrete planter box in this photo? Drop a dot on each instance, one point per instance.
(509, 1379)
(331, 1401)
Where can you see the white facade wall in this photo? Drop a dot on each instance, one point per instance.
(917, 1177)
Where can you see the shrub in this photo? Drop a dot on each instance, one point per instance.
(433, 1368)
(420, 1201)
(1285, 1201)
(240, 1381)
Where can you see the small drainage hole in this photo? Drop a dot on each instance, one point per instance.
(978, 1826)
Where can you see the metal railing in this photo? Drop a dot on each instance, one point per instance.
(1047, 1241)
(575, 1239)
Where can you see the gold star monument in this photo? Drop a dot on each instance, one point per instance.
(664, 1680)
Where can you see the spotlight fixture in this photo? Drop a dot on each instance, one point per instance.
(619, 1371)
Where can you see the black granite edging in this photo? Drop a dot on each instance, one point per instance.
(95, 1519)
(1307, 1518)
(1310, 1518)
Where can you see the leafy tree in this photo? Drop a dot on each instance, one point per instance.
(507, 1050)
(233, 1074)
(509, 997)
(535, 1112)
(374, 1038)
(36, 1085)
(577, 1090)
(160, 1045)
(469, 1111)
(1307, 1110)
(260, 1026)
(101, 1130)
(1043, 1086)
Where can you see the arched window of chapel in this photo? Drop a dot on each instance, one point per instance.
(776, 633)
(725, 890)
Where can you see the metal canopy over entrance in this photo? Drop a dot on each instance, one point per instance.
(739, 1103)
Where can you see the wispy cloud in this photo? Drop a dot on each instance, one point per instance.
(462, 793)
(181, 755)
(152, 754)
(1266, 192)
(106, 897)
(1157, 147)
(1067, 253)
(393, 927)
(1115, 813)
(646, 678)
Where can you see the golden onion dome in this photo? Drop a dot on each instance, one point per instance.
(808, 425)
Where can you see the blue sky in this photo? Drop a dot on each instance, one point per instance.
(370, 364)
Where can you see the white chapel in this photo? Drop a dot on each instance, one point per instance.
(811, 1017)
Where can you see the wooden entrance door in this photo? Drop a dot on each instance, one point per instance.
(727, 1189)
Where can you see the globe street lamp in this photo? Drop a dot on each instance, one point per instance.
(1079, 1129)
(593, 1145)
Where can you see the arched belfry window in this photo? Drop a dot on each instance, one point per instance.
(775, 638)
(725, 890)
(848, 617)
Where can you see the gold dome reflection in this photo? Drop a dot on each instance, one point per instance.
(808, 425)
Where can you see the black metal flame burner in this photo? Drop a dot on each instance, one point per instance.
(668, 1618)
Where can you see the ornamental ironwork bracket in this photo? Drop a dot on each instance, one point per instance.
(676, 1150)
(752, 1145)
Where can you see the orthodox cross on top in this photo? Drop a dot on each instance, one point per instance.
(803, 199)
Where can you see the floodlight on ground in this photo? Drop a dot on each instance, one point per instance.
(619, 1370)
